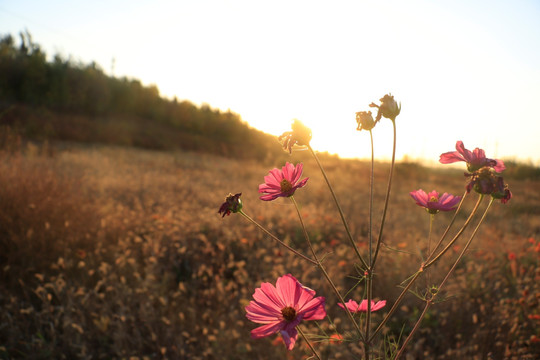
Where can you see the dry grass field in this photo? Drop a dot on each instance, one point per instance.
(117, 253)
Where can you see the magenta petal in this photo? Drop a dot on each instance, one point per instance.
(265, 188)
(301, 183)
(314, 310)
(288, 171)
(467, 155)
(379, 305)
(297, 173)
(262, 314)
(420, 197)
(266, 330)
(269, 197)
(289, 337)
(286, 288)
(499, 167)
(269, 295)
(450, 157)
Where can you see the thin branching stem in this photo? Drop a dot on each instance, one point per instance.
(416, 326)
(396, 304)
(347, 230)
(443, 251)
(278, 240)
(379, 239)
(323, 270)
(422, 268)
(447, 228)
(369, 277)
(308, 342)
(430, 301)
(372, 174)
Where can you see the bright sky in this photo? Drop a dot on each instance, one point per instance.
(463, 70)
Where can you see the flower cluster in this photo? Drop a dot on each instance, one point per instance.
(483, 172)
(281, 308)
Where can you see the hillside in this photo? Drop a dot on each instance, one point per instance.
(63, 100)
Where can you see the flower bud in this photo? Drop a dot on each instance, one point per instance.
(365, 120)
(232, 204)
(300, 135)
(389, 107)
(501, 191)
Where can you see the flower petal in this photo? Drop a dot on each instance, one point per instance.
(314, 310)
(268, 295)
(287, 287)
(266, 330)
(289, 337)
(467, 154)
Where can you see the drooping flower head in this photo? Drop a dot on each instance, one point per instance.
(300, 135)
(365, 120)
(232, 204)
(282, 308)
(433, 203)
(389, 108)
(354, 307)
(475, 159)
(282, 183)
(486, 181)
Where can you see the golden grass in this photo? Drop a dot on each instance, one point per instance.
(118, 253)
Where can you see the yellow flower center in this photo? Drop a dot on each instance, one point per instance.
(288, 313)
(434, 199)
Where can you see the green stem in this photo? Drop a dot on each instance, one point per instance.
(307, 342)
(339, 208)
(278, 240)
(323, 270)
(379, 239)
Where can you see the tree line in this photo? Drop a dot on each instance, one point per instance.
(60, 99)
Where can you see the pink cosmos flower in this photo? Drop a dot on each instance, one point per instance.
(475, 159)
(354, 307)
(433, 203)
(283, 307)
(282, 183)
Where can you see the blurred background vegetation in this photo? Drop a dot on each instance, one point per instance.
(65, 100)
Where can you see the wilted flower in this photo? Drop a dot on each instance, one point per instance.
(475, 159)
(389, 108)
(232, 204)
(485, 181)
(282, 308)
(433, 203)
(501, 191)
(365, 120)
(282, 183)
(354, 307)
(300, 135)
